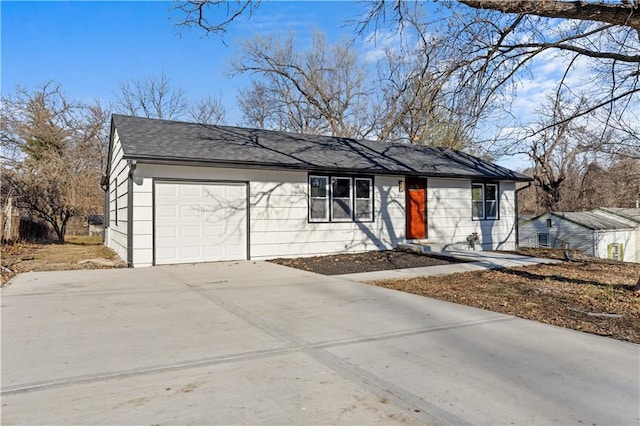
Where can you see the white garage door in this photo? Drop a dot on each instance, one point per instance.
(200, 222)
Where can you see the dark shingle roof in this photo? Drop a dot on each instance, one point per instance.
(174, 141)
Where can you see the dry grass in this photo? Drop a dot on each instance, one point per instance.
(25, 257)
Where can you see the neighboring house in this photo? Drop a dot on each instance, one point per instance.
(184, 192)
(603, 233)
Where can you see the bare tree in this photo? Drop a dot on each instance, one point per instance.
(555, 152)
(325, 91)
(197, 13)
(53, 151)
(279, 106)
(151, 97)
(208, 110)
(158, 97)
(256, 109)
(416, 106)
(589, 183)
(491, 43)
(319, 91)
(494, 43)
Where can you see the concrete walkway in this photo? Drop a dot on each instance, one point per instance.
(258, 343)
(478, 260)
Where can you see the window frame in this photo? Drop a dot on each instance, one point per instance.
(475, 186)
(350, 199)
(548, 237)
(369, 218)
(327, 199)
(330, 217)
(485, 202)
(619, 251)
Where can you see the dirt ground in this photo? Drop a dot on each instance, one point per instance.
(586, 294)
(79, 252)
(363, 262)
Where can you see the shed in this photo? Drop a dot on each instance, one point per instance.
(595, 233)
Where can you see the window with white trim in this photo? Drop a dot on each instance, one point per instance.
(364, 199)
(318, 198)
(340, 199)
(341, 196)
(484, 201)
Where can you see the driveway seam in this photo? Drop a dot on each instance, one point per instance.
(70, 381)
(222, 359)
(410, 403)
(388, 336)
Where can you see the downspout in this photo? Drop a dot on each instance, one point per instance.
(132, 168)
(104, 184)
(516, 206)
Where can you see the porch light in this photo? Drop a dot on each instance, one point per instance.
(401, 185)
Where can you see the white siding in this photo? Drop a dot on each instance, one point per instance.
(561, 230)
(142, 221)
(624, 237)
(279, 225)
(633, 253)
(116, 228)
(449, 215)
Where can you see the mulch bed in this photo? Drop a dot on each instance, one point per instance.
(365, 262)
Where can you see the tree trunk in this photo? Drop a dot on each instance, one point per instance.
(626, 15)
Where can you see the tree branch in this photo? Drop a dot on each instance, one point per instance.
(623, 14)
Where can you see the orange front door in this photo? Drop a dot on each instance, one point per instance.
(416, 209)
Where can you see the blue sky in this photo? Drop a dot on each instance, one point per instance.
(91, 47)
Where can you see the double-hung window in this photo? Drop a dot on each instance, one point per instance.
(340, 199)
(484, 201)
(318, 198)
(364, 199)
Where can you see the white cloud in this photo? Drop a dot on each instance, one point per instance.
(377, 43)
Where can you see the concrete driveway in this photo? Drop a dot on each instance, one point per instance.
(257, 343)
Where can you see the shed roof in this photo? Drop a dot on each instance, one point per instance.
(627, 213)
(593, 220)
(166, 141)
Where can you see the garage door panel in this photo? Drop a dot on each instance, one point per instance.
(200, 222)
(166, 253)
(190, 211)
(166, 191)
(164, 232)
(235, 250)
(190, 191)
(166, 211)
(190, 232)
